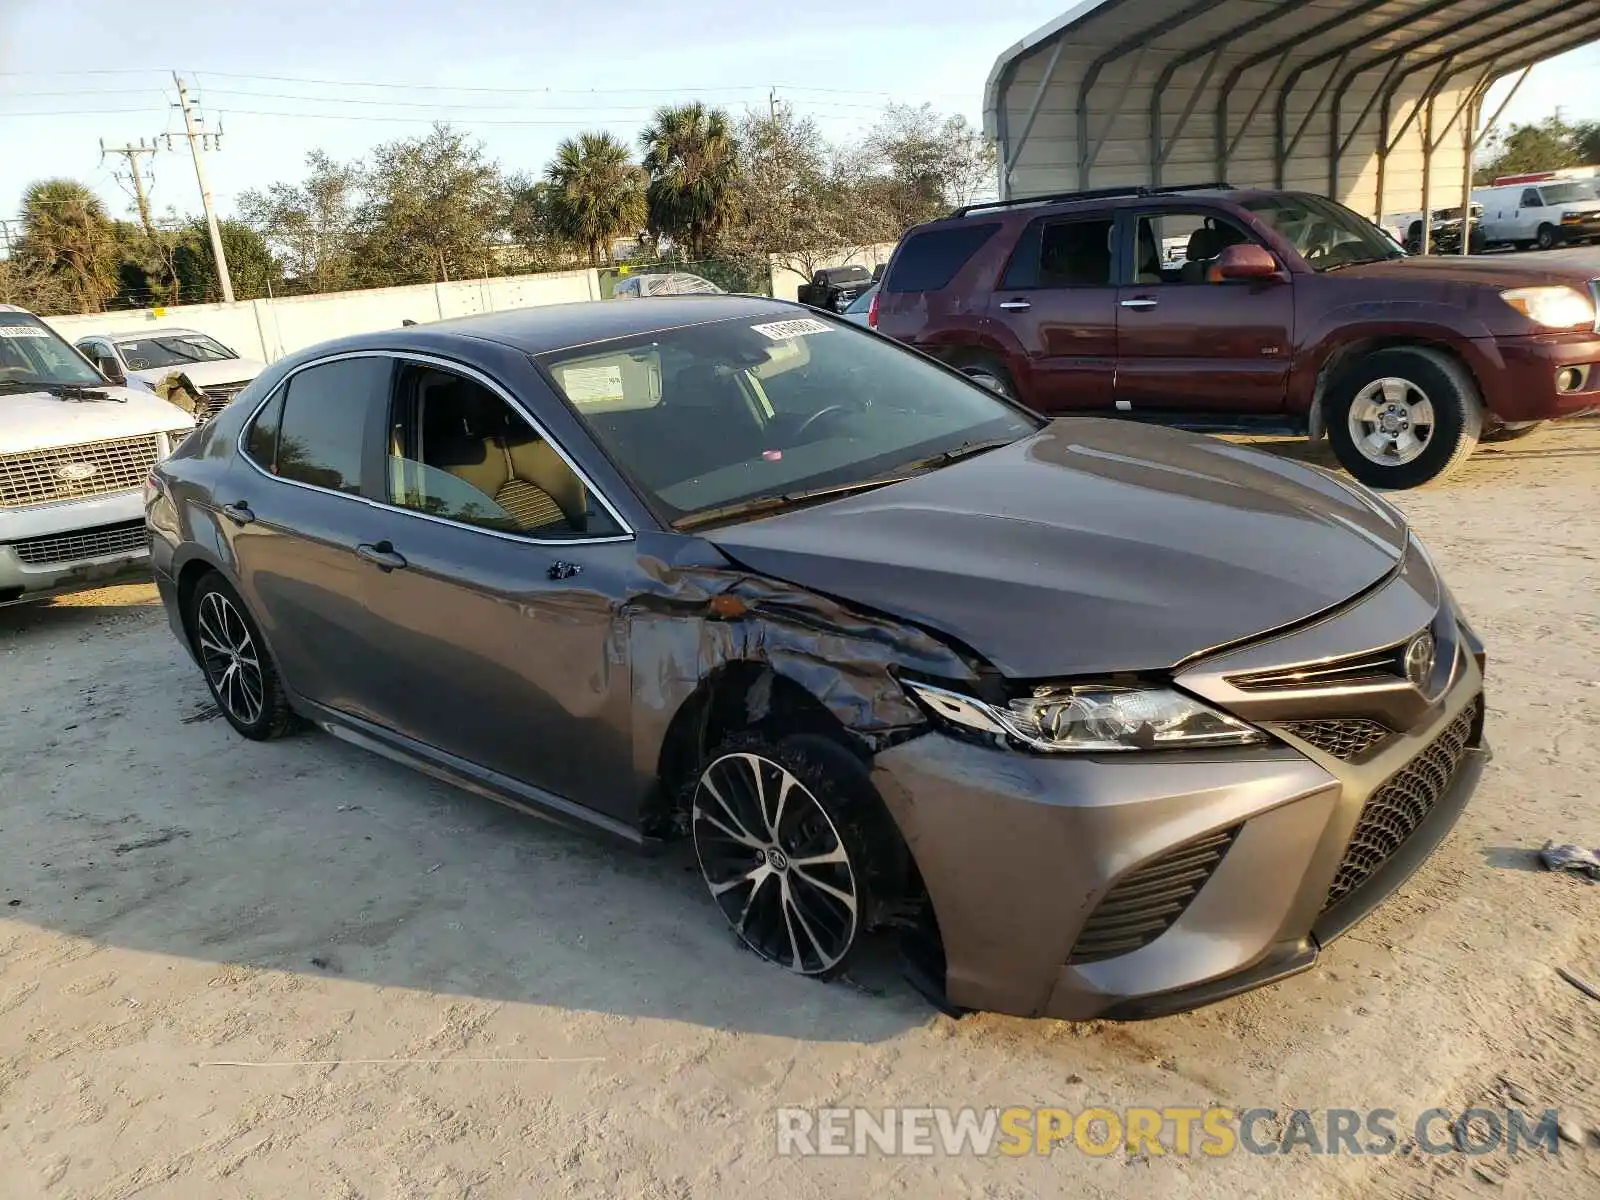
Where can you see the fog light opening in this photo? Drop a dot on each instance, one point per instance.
(1571, 379)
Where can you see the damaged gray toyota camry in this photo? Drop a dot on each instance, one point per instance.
(1102, 720)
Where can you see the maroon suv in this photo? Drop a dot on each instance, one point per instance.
(1217, 307)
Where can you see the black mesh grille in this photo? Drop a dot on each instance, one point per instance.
(1396, 809)
(123, 538)
(1144, 903)
(1342, 739)
(216, 398)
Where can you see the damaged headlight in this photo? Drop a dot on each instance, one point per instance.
(1094, 717)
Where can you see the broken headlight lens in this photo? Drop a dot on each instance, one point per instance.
(1095, 717)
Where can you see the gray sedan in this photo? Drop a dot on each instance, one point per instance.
(1099, 719)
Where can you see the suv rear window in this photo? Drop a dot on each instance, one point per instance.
(929, 261)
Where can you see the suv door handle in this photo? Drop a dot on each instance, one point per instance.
(1015, 305)
(1139, 302)
(382, 556)
(238, 512)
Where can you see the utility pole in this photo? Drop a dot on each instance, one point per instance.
(772, 103)
(199, 142)
(132, 153)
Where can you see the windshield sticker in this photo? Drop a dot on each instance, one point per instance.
(782, 331)
(593, 385)
(23, 331)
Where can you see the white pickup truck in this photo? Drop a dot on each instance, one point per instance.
(75, 452)
(1545, 215)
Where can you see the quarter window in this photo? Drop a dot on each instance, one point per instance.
(458, 451)
(929, 261)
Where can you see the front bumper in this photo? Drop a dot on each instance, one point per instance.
(1518, 376)
(21, 530)
(1024, 855)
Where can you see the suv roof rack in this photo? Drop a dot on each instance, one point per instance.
(1093, 194)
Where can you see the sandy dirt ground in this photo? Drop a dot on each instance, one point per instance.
(294, 969)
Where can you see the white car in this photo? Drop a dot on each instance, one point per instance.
(74, 457)
(670, 283)
(146, 359)
(1543, 215)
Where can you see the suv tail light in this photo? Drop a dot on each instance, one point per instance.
(872, 312)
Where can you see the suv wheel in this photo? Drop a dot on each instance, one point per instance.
(1546, 239)
(1404, 417)
(990, 374)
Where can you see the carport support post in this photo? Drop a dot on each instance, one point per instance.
(1467, 147)
(1427, 174)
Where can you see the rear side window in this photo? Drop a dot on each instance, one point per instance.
(1062, 253)
(929, 261)
(322, 420)
(261, 443)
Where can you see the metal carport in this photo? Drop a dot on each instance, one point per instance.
(1372, 102)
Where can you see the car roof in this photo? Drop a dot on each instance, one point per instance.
(548, 327)
(163, 331)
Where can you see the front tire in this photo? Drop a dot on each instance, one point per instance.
(791, 842)
(1403, 417)
(233, 657)
(1546, 238)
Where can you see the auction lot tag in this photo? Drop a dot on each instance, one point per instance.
(22, 331)
(782, 331)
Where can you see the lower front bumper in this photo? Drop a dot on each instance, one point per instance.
(1018, 851)
(24, 581)
(1518, 376)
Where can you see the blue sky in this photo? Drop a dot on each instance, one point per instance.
(603, 65)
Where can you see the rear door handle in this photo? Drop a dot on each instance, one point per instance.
(382, 556)
(1015, 305)
(1140, 302)
(239, 513)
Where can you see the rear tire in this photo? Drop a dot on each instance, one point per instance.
(1404, 417)
(1546, 238)
(989, 373)
(237, 666)
(1502, 433)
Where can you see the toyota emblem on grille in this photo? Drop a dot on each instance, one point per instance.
(1419, 660)
(77, 472)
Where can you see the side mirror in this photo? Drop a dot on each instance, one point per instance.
(1247, 261)
(110, 368)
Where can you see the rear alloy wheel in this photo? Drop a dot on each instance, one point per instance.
(1403, 417)
(233, 657)
(781, 855)
(989, 374)
(1546, 239)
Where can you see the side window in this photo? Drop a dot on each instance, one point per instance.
(326, 412)
(1178, 246)
(929, 261)
(458, 451)
(1062, 253)
(261, 442)
(1530, 199)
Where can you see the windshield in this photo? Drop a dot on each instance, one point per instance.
(171, 350)
(33, 356)
(1326, 234)
(1567, 193)
(710, 416)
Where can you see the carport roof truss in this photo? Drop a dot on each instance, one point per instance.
(1281, 93)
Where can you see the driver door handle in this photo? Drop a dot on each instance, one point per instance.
(1139, 302)
(382, 555)
(1015, 305)
(238, 512)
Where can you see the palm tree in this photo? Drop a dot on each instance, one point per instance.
(67, 234)
(597, 193)
(692, 158)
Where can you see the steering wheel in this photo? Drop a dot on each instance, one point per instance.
(817, 416)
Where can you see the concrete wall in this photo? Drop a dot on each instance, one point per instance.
(269, 329)
(786, 283)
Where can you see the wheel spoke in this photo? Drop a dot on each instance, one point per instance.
(1376, 446)
(843, 897)
(776, 823)
(823, 957)
(739, 833)
(755, 875)
(1422, 413)
(749, 901)
(1406, 445)
(787, 904)
(1394, 390)
(836, 855)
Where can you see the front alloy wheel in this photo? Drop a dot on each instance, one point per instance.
(230, 658)
(776, 863)
(1391, 421)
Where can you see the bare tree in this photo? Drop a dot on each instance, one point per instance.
(311, 226)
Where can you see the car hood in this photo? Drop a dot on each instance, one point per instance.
(1496, 270)
(1092, 546)
(40, 421)
(207, 374)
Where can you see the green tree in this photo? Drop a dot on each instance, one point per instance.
(535, 228)
(691, 156)
(1586, 142)
(251, 266)
(1539, 146)
(927, 164)
(310, 227)
(68, 243)
(436, 209)
(598, 193)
